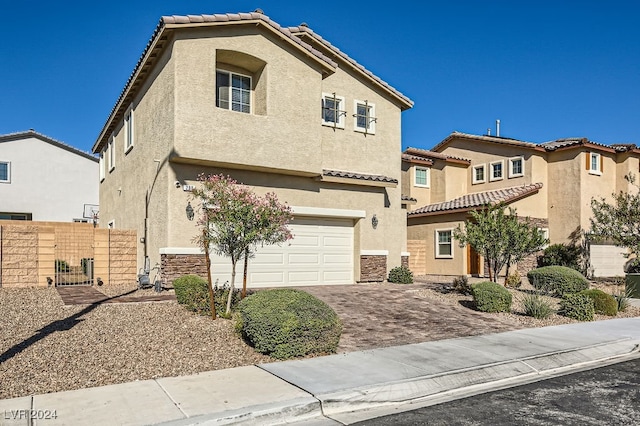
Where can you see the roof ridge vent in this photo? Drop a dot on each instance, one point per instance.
(304, 24)
(260, 11)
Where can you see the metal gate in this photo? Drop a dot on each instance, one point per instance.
(74, 256)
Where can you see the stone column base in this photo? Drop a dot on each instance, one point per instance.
(177, 265)
(373, 268)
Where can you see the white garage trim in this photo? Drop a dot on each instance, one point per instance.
(374, 252)
(324, 212)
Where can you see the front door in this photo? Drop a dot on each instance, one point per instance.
(473, 261)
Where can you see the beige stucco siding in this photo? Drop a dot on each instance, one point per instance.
(565, 169)
(284, 137)
(596, 185)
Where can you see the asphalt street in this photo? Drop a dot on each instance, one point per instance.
(603, 396)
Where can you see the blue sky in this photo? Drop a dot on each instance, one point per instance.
(546, 69)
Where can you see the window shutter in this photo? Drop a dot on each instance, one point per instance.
(601, 164)
(588, 163)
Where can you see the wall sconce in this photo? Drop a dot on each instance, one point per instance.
(189, 211)
(374, 221)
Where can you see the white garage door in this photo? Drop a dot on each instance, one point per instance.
(321, 252)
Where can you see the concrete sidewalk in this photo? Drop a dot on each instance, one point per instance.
(341, 388)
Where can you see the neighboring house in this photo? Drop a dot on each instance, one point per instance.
(45, 180)
(278, 109)
(552, 183)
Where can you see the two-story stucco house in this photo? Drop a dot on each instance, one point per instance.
(552, 183)
(46, 180)
(279, 109)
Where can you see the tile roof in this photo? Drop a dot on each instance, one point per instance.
(486, 138)
(360, 176)
(470, 201)
(304, 29)
(33, 134)
(408, 198)
(156, 42)
(418, 153)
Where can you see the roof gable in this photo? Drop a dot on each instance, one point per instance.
(33, 134)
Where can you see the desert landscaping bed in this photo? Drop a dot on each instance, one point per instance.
(46, 346)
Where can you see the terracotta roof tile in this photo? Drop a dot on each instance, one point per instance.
(408, 198)
(361, 176)
(479, 199)
(423, 153)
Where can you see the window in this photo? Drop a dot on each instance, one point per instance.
(516, 167)
(233, 91)
(111, 154)
(422, 177)
(364, 117)
(128, 131)
(333, 112)
(102, 165)
(444, 248)
(545, 234)
(15, 216)
(594, 163)
(478, 174)
(497, 172)
(5, 172)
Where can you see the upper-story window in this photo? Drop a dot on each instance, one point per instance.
(102, 166)
(594, 163)
(333, 112)
(422, 177)
(496, 170)
(516, 167)
(111, 154)
(233, 91)
(128, 130)
(478, 174)
(364, 117)
(5, 172)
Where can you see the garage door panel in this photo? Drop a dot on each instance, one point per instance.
(274, 277)
(303, 276)
(305, 241)
(331, 277)
(268, 259)
(304, 259)
(336, 241)
(337, 259)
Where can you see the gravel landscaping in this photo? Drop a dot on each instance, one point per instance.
(46, 346)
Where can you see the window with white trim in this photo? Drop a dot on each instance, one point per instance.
(364, 117)
(111, 154)
(545, 235)
(496, 170)
(5, 172)
(421, 177)
(444, 244)
(333, 112)
(233, 91)
(478, 173)
(102, 166)
(516, 167)
(128, 130)
(594, 163)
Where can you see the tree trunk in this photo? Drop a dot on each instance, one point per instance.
(208, 262)
(244, 277)
(233, 282)
(506, 277)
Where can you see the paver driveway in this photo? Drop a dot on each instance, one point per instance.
(378, 315)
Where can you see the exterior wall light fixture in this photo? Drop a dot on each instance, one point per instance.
(374, 221)
(189, 211)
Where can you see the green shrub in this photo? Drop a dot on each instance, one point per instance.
(622, 299)
(401, 275)
(558, 280)
(603, 303)
(562, 255)
(537, 306)
(491, 297)
(577, 306)
(62, 266)
(287, 323)
(461, 285)
(513, 280)
(192, 291)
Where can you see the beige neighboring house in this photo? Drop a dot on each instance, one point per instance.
(279, 109)
(552, 183)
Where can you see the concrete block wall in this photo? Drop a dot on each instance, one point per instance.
(18, 256)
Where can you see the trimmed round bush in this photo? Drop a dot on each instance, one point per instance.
(561, 255)
(192, 292)
(491, 297)
(559, 280)
(603, 303)
(577, 306)
(401, 275)
(287, 323)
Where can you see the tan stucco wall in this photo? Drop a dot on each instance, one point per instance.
(424, 228)
(595, 186)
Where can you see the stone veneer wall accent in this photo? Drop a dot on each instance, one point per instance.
(404, 261)
(177, 265)
(373, 268)
(531, 262)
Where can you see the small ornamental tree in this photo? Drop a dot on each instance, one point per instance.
(234, 221)
(503, 239)
(618, 221)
